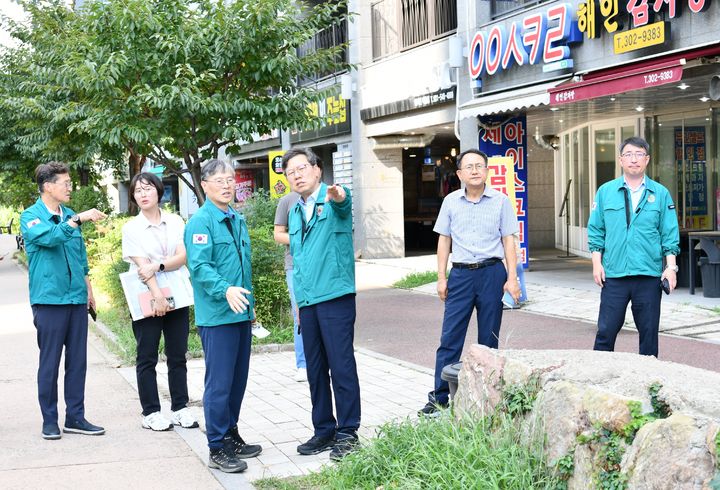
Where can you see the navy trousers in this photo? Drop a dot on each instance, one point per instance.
(645, 292)
(174, 326)
(61, 326)
(227, 361)
(468, 290)
(328, 330)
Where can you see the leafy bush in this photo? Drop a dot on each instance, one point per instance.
(259, 209)
(272, 300)
(88, 197)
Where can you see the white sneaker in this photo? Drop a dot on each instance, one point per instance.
(300, 375)
(184, 418)
(156, 421)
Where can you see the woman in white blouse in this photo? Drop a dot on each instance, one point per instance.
(152, 242)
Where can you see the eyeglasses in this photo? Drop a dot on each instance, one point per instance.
(222, 182)
(66, 183)
(477, 166)
(300, 169)
(638, 154)
(146, 190)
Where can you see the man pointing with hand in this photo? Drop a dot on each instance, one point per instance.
(321, 243)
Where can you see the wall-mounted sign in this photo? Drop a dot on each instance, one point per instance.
(641, 37)
(279, 185)
(334, 112)
(539, 37)
(442, 96)
(641, 13)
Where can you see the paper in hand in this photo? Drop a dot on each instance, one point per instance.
(259, 331)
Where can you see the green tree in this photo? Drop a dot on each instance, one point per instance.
(178, 80)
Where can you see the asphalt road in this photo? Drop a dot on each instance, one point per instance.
(406, 325)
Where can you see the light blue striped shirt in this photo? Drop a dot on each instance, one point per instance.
(636, 194)
(476, 228)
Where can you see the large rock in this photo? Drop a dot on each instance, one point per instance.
(578, 391)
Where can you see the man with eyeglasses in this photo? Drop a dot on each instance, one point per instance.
(478, 224)
(321, 244)
(633, 225)
(218, 255)
(60, 294)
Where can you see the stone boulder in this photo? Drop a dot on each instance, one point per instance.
(577, 392)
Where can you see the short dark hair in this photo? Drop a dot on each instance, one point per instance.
(214, 166)
(309, 154)
(635, 141)
(149, 179)
(474, 151)
(48, 172)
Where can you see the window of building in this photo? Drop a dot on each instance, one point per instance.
(404, 24)
(498, 8)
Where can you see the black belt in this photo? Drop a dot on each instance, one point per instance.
(476, 265)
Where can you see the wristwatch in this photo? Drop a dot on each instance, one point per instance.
(162, 267)
(76, 219)
(673, 267)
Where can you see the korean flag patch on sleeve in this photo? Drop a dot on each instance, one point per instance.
(199, 239)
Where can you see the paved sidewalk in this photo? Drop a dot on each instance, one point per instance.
(126, 457)
(276, 409)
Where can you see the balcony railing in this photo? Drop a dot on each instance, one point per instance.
(403, 24)
(327, 38)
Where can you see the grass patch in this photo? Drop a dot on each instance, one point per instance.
(488, 453)
(416, 279)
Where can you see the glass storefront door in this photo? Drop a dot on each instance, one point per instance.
(684, 165)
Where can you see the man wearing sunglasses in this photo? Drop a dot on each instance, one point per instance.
(633, 226)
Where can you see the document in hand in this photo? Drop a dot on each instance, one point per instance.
(175, 285)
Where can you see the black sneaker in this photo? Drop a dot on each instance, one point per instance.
(224, 459)
(82, 426)
(432, 409)
(51, 431)
(241, 449)
(343, 447)
(316, 445)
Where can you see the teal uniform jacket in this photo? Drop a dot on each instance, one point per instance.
(633, 242)
(215, 264)
(57, 259)
(323, 256)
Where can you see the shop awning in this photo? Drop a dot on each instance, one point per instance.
(509, 100)
(617, 82)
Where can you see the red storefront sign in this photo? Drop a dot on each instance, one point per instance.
(616, 83)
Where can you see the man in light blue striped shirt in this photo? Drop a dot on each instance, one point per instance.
(477, 223)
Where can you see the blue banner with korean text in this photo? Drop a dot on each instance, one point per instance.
(508, 137)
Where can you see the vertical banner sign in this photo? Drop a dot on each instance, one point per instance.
(508, 138)
(279, 185)
(697, 214)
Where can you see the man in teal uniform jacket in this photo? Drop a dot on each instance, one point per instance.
(60, 293)
(633, 226)
(321, 243)
(218, 254)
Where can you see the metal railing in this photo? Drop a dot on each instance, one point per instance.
(327, 38)
(402, 24)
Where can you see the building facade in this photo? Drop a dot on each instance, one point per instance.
(584, 76)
